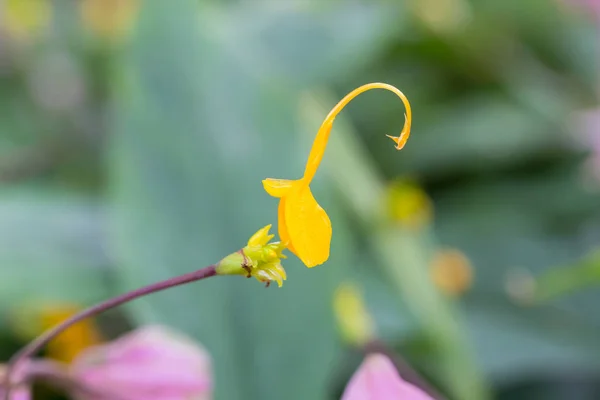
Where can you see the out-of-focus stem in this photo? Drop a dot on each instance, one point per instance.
(33, 347)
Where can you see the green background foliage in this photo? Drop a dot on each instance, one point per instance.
(129, 160)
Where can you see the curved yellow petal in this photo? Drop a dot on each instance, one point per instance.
(308, 226)
(277, 187)
(282, 228)
(318, 148)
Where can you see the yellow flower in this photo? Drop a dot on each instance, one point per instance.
(259, 259)
(304, 227)
(451, 272)
(446, 17)
(409, 205)
(111, 19)
(33, 320)
(354, 321)
(66, 346)
(23, 18)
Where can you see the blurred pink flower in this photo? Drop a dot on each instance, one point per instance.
(588, 131)
(589, 6)
(21, 391)
(377, 379)
(18, 394)
(149, 363)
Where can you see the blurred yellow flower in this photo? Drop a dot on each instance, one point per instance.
(259, 259)
(451, 272)
(354, 321)
(32, 321)
(24, 18)
(304, 227)
(110, 19)
(443, 16)
(66, 346)
(409, 205)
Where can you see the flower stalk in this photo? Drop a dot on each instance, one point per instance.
(33, 347)
(260, 258)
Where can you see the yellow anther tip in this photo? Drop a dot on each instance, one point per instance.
(396, 139)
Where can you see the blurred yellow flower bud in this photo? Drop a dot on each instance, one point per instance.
(35, 319)
(110, 19)
(451, 272)
(443, 16)
(25, 18)
(354, 321)
(409, 205)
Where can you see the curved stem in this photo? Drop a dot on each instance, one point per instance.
(320, 142)
(34, 346)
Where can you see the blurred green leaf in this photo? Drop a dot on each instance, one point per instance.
(302, 43)
(205, 108)
(505, 227)
(526, 201)
(479, 133)
(19, 125)
(511, 340)
(564, 280)
(52, 249)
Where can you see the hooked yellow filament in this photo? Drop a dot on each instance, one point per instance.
(320, 142)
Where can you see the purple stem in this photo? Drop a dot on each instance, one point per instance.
(34, 346)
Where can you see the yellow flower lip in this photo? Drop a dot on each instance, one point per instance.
(303, 225)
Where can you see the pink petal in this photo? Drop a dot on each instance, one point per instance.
(152, 362)
(377, 379)
(21, 391)
(18, 394)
